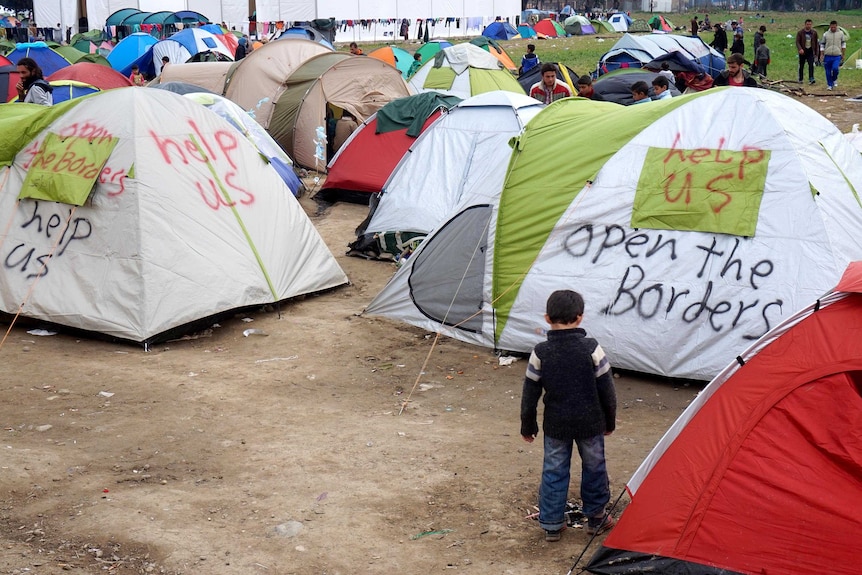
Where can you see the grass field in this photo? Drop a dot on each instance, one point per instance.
(581, 53)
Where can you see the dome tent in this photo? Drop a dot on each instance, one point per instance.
(159, 236)
(463, 70)
(774, 437)
(359, 85)
(257, 82)
(186, 44)
(648, 259)
(461, 157)
(367, 159)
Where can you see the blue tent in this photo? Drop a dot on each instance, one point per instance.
(134, 49)
(64, 90)
(526, 31)
(49, 60)
(305, 33)
(635, 51)
(499, 31)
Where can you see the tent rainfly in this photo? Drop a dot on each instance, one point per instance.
(141, 229)
(463, 70)
(678, 231)
(762, 473)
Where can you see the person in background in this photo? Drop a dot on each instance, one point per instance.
(415, 65)
(735, 75)
(574, 374)
(695, 26)
(640, 92)
(665, 71)
(761, 58)
(136, 77)
(549, 89)
(530, 59)
(832, 47)
(661, 88)
(345, 126)
(405, 29)
(32, 87)
(808, 49)
(719, 39)
(758, 36)
(241, 49)
(586, 90)
(356, 50)
(738, 46)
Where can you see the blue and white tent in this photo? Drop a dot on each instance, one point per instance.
(500, 31)
(183, 45)
(635, 51)
(49, 60)
(135, 49)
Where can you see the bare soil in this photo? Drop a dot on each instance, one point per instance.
(287, 453)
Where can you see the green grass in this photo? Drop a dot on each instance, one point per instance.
(581, 53)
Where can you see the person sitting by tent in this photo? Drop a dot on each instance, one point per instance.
(32, 87)
(549, 89)
(661, 88)
(345, 126)
(719, 40)
(530, 60)
(666, 72)
(585, 89)
(735, 75)
(136, 77)
(640, 92)
(417, 63)
(356, 50)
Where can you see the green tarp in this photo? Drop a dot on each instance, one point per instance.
(412, 112)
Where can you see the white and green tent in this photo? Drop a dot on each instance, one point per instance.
(133, 213)
(689, 238)
(461, 156)
(463, 70)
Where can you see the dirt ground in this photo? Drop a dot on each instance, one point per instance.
(287, 453)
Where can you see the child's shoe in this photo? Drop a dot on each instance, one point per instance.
(598, 525)
(553, 536)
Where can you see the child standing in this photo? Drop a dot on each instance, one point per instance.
(136, 77)
(761, 58)
(580, 408)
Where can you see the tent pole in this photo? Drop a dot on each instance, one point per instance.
(590, 542)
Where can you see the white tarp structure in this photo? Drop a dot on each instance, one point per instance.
(688, 239)
(186, 220)
(459, 17)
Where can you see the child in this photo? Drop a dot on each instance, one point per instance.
(414, 67)
(530, 59)
(580, 407)
(136, 77)
(761, 58)
(640, 92)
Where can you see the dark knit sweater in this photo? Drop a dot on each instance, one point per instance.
(579, 396)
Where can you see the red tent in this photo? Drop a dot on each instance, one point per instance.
(8, 80)
(762, 474)
(366, 160)
(102, 77)
(546, 28)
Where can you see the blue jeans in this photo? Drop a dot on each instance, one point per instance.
(556, 472)
(831, 65)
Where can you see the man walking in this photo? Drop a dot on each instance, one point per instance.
(808, 49)
(832, 47)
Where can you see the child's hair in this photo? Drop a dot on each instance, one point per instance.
(531, 47)
(417, 56)
(565, 306)
(135, 68)
(640, 87)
